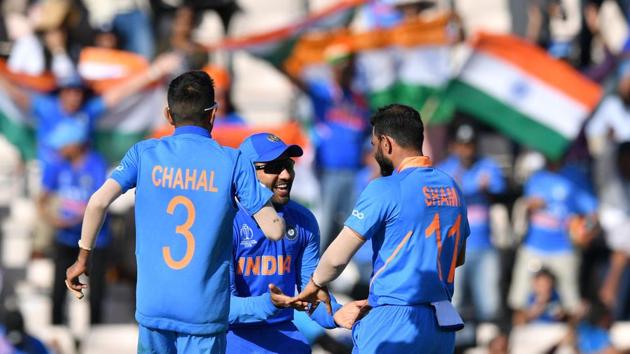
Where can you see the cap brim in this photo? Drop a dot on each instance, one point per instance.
(288, 151)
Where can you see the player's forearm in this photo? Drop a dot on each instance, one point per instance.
(95, 212)
(251, 309)
(337, 256)
(92, 223)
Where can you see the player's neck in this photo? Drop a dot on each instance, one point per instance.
(399, 156)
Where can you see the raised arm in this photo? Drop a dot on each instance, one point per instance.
(163, 65)
(92, 222)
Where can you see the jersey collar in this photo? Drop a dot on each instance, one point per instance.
(192, 129)
(415, 161)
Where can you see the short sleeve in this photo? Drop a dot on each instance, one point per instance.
(251, 194)
(50, 177)
(95, 108)
(373, 208)
(126, 173)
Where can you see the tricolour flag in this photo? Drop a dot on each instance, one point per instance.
(519, 89)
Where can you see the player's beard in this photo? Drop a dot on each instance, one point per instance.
(387, 166)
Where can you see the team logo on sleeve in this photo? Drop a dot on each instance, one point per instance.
(291, 233)
(357, 214)
(247, 236)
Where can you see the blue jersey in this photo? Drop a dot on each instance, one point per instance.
(185, 206)
(287, 263)
(476, 199)
(341, 127)
(548, 227)
(48, 113)
(416, 219)
(73, 186)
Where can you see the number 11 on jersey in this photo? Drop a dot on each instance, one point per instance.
(455, 230)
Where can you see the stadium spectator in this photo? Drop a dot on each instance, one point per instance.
(71, 101)
(552, 199)
(13, 333)
(341, 127)
(592, 332)
(613, 170)
(543, 304)
(479, 178)
(67, 185)
(226, 111)
(131, 21)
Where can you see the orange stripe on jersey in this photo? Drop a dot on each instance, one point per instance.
(400, 245)
(415, 161)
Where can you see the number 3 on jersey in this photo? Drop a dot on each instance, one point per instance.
(184, 230)
(434, 227)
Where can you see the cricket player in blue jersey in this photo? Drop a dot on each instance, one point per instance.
(263, 270)
(186, 191)
(416, 219)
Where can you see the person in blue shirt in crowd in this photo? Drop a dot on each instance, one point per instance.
(479, 179)
(67, 185)
(592, 332)
(543, 303)
(341, 126)
(416, 217)
(554, 202)
(13, 336)
(263, 271)
(71, 102)
(187, 186)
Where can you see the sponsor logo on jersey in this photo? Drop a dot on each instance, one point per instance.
(247, 236)
(357, 214)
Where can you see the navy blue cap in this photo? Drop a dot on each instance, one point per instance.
(265, 147)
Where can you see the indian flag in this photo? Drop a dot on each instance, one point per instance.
(516, 87)
(407, 63)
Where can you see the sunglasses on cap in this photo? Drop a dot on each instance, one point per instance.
(276, 167)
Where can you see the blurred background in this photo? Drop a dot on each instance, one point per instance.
(526, 103)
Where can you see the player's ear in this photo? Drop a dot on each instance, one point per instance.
(168, 116)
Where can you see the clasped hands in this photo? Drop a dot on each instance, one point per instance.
(313, 295)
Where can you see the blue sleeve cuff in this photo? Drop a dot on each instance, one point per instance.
(268, 307)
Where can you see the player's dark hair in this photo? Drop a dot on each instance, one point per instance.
(189, 95)
(400, 122)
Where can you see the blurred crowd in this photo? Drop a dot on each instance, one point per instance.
(550, 238)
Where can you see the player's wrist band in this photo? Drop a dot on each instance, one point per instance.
(81, 246)
(317, 285)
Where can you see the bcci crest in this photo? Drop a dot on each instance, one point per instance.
(247, 236)
(273, 138)
(291, 233)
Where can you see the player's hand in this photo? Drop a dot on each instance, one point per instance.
(79, 267)
(280, 300)
(351, 312)
(314, 295)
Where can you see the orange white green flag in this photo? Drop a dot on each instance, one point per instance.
(523, 92)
